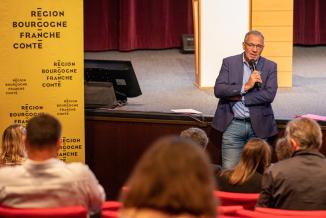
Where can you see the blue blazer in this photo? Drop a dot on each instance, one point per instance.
(258, 100)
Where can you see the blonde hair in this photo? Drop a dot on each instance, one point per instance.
(255, 157)
(12, 150)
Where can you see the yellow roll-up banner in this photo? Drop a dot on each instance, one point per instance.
(42, 67)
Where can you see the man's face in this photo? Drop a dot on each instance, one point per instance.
(253, 47)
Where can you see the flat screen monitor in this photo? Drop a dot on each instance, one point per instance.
(120, 73)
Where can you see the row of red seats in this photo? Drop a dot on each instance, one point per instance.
(110, 210)
(235, 211)
(279, 213)
(65, 212)
(235, 205)
(248, 202)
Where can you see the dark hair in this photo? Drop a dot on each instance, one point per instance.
(283, 149)
(43, 130)
(255, 157)
(197, 135)
(306, 132)
(174, 177)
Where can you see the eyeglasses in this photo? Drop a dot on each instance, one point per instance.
(250, 45)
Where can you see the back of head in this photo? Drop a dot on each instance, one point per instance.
(283, 149)
(12, 148)
(305, 132)
(174, 177)
(43, 131)
(255, 157)
(197, 135)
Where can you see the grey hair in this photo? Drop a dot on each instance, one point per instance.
(306, 132)
(197, 135)
(253, 32)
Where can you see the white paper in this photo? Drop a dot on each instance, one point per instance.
(186, 111)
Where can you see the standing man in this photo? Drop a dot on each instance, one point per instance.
(246, 87)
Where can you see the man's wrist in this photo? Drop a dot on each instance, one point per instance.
(243, 90)
(246, 88)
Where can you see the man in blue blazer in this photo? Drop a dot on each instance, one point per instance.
(246, 87)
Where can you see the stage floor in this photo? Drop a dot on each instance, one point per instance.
(167, 77)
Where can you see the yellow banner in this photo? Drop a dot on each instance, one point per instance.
(42, 65)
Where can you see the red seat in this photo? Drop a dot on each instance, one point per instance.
(111, 205)
(247, 200)
(310, 213)
(110, 214)
(228, 210)
(229, 216)
(63, 212)
(255, 214)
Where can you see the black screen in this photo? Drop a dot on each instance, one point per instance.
(120, 73)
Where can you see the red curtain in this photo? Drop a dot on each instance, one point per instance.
(136, 24)
(157, 24)
(309, 22)
(101, 24)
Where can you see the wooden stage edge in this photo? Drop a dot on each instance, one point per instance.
(115, 140)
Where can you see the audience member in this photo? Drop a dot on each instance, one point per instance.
(172, 179)
(12, 150)
(247, 175)
(199, 136)
(297, 183)
(43, 181)
(283, 149)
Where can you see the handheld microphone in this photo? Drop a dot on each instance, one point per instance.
(253, 66)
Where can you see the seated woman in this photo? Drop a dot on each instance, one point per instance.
(247, 175)
(172, 179)
(12, 150)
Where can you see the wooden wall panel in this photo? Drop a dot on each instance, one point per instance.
(284, 78)
(272, 18)
(275, 20)
(283, 63)
(276, 33)
(275, 5)
(278, 49)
